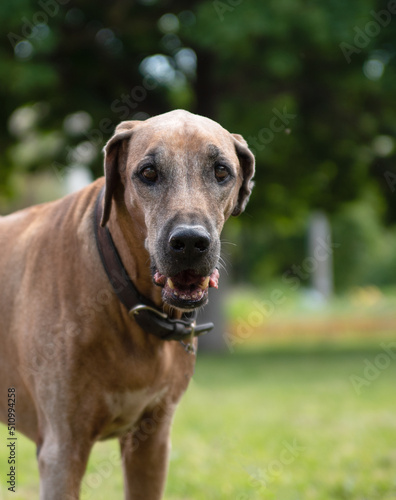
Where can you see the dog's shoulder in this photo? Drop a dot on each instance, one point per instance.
(50, 216)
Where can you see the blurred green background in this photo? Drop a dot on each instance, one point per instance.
(311, 86)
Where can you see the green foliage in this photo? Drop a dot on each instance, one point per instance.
(286, 55)
(310, 85)
(365, 254)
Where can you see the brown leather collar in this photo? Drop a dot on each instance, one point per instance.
(145, 313)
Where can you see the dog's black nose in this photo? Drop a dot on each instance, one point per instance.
(191, 241)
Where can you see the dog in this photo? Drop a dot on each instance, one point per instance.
(98, 295)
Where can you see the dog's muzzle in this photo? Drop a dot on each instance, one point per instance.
(187, 267)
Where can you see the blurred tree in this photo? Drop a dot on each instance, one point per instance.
(281, 77)
(309, 84)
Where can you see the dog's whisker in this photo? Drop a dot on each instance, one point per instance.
(225, 242)
(223, 268)
(222, 265)
(225, 260)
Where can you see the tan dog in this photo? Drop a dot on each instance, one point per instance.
(82, 367)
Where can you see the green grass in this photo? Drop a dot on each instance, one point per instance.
(241, 415)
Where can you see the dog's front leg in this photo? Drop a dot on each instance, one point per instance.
(62, 463)
(145, 457)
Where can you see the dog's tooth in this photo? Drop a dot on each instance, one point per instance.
(175, 293)
(183, 297)
(204, 284)
(170, 284)
(194, 296)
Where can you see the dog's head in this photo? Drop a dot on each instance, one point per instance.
(181, 176)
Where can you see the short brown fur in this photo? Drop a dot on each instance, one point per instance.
(82, 368)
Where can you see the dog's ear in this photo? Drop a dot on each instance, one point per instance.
(122, 132)
(247, 162)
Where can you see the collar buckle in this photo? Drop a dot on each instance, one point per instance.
(142, 307)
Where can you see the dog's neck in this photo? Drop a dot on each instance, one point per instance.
(129, 238)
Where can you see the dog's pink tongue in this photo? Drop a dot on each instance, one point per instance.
(159, 278)
(214, 279)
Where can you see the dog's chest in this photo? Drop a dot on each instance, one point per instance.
(126, 408)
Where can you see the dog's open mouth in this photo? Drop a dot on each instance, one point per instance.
(187, 289)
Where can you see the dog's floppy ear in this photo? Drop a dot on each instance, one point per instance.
(122, 132)
(247, 162)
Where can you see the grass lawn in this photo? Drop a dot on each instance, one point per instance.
(276, 423)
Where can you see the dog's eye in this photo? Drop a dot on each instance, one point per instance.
(149, 174)
(221, 173)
